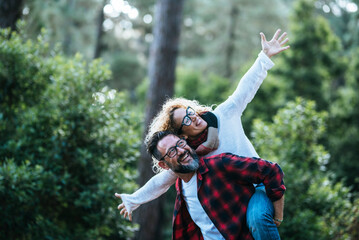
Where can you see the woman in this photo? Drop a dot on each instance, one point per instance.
(202, 135)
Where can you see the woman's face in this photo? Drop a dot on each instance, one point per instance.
(197, 126)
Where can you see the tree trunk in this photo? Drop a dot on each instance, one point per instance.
(233, 16)
(66, 46)
(161, 72)
(10, 12)
(99, 34)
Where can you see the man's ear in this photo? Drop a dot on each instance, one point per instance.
(163, 165)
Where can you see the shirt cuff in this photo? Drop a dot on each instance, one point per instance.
(268, 63)
(276, 194)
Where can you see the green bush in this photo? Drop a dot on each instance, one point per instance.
(67, 142)
(344, 128)
(316, 207)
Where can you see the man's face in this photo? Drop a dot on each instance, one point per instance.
(197, 126)
(186, 159)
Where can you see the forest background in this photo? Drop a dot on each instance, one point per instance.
(81, 79)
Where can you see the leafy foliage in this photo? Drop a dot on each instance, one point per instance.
(207, 90)
(192, 84)
(314, 62)
(126, 71)
(67, 142)
(211, 31)
(344, 128)
(311, 68)
(313, 200)
(69, 22)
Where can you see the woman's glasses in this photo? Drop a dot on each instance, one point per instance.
(186, 121)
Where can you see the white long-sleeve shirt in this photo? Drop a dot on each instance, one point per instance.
(232, 137)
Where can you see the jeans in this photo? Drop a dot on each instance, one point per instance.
(260, 213)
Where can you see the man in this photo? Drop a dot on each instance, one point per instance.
(213, 192)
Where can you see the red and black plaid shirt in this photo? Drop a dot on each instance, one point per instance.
(225, 185)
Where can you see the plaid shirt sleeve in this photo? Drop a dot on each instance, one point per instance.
(255, 170)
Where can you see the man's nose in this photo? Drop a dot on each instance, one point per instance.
(180, 151)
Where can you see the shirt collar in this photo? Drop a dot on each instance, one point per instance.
(200, 171)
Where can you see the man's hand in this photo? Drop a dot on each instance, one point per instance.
(274, 46)
(278, 221)
(123, 211)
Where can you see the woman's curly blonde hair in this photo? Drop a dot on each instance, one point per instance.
(163, 121)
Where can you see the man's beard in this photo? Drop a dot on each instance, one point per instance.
(192, 167)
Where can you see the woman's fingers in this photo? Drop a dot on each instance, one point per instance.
(282, 36)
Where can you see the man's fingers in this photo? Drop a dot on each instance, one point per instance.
(277, 222)
(118, 195)
(282, 36)
(130, 216)
(275, 36)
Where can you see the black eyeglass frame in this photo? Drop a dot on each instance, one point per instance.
(172, 151)
(186, 121)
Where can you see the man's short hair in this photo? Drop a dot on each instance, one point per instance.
(153, 141)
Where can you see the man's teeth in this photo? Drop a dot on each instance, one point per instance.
(184, 157)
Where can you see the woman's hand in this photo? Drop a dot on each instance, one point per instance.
(275, 45)
(123, 211)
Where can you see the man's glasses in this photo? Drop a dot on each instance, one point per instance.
(186, 121)
(173, 150)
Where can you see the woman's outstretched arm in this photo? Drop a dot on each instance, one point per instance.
(251, 81)
(155, 187)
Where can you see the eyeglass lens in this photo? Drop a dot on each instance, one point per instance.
(187, 120)
(173, 150)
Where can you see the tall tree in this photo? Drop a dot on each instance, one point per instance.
(314, 63)
(100, 32)
(161, 72)
(234, 12)
(10, 12)
(311, 68)
(344, 19)
(344, 128)
(70, 22)
(68, 36)
(217, 35)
